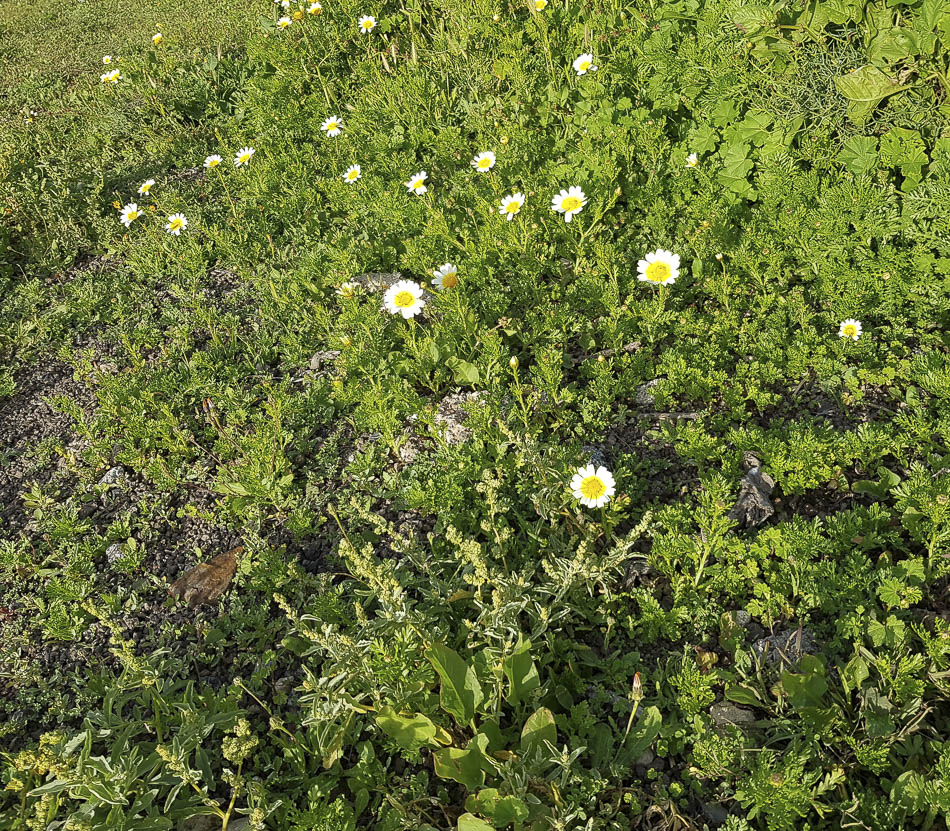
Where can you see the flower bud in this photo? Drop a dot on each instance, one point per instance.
(513, 363)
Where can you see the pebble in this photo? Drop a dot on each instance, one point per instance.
(723, 712)
(113, 475)
(114, 552)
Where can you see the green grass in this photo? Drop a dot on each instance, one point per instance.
(425, 628)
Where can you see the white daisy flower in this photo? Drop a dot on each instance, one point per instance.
(333, 126)
(367, 24)
(213, 161)
(659, 267)
(446, 276)
(593, 487)
(416, 184)
(511, 205)
(243, 156)
(284, 22)
(129, 214)
(569, 202)
(584, 64)
(145, 187)
(347, 289)
(540, 5)
(314, 8)
(157, 38)
(692, 160)
(107, 59)
(404, 298)
(484, 161)
(850, 328)
(353, 172)
(176, 224)
(112, 77)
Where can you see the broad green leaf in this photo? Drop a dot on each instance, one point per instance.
(483, 802)
(464, 766)
(521, 672)
(865, 88)
(859, 154)
(410, 732)
(461, 693)
(509, 809)
(644, 733)
(469, 822)
(538, 729)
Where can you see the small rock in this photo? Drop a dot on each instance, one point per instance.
(644, 398)
(742, 617)
(451, 415)
(787, 646)
(753, 507)
(723, 712)
(377, 281)
(646, 758)
(113, 475)
(321, 358)
(715, 813)
(595, 455)
(113, 553)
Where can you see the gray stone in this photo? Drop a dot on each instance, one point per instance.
(594, 454)
(645, 759)
(322, 358)
(742, 617)
(451, 415)
(753, 506)
(723, 712)
(113, 553)
(644, 396)
(715, 813)
(785, 647)
(113, 475)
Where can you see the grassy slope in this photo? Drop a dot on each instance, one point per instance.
(249, 403)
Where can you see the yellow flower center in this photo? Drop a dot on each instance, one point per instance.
(331, 126)
(540, 4)
(146, 189)
(593, 487)
(513, 207)
(213, 162)
(850, 330)
(175, 224)
(484, 164)
(417, 184)
(283, 23)
(404, 299)
(132, 214)
(367, 24)
(351, 176)
(245, 157)
(658, 272)
(584, 66)
(450, 281)
(298, 15)
(571, 203)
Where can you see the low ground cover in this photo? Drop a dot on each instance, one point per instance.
(461, 415)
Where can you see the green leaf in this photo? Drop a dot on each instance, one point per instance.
(409, 732)
(521, 672)
(509, 809)
(464, 766)
(644, 733)
(469, 822)
(538, 729)
(461, 692)
(865, 88)
(464, 372)
(736, 167)
(859, 154)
